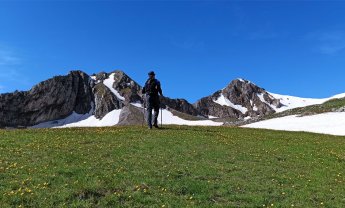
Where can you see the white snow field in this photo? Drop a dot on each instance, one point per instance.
(327, 123)
(109, 83)
(291, 102)
(169, 118)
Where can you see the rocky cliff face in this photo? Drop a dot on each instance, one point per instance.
(52, 99)
(105, 100)
(208, 108)
(180, 105)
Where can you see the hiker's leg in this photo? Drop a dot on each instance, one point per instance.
(149, 111)
(156, 110)
(155, 116)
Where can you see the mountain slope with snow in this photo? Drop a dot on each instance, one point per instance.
(113, 118)
(327, 117)
(290, 102)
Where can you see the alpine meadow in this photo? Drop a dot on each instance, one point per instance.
(177, 166)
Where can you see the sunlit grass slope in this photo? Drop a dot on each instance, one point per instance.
(173, 167)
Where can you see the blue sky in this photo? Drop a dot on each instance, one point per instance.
(195, 47)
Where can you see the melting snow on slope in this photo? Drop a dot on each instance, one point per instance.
(290, 102)
(261, 97)
(221, 100)
(169, 118)
(109, 83)
(83, 120)
(326, 123)
(112, 118)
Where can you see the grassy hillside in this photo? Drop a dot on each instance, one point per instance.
(172, 167)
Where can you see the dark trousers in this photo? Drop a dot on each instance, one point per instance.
(152, 103)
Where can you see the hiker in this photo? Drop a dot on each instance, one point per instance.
(151, 89)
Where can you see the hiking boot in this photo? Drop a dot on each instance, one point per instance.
(156, 126)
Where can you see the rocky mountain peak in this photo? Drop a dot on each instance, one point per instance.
(239, 99)
(127, 87)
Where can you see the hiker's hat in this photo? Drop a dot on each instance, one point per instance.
(151, 73)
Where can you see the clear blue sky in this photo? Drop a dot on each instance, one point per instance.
(195, 47)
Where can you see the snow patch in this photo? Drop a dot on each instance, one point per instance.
(243, 80)
(240, 79)
(82, 120)
(109, 83)
(139, 105)
(247, 118)
(169, 118)
(221, 100)
(326, 123)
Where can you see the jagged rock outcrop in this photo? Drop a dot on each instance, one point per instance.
(131, 115)
(105, 101)
(49, 100)
(181, 105)
(207, 107)
(100, 77)
(127, 87)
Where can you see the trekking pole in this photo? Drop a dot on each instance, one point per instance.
(161, 111)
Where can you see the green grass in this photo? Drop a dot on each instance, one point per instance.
(177, 166)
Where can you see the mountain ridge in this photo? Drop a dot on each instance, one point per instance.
(98, 95)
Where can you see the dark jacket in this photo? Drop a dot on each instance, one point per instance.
(152, 87)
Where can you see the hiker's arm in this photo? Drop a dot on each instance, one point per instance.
(160, 89)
